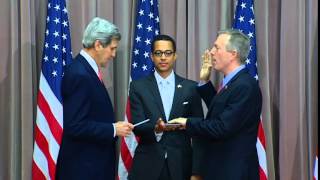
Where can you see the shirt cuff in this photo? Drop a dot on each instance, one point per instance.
(114, 130)
(158, 136)
(201, 83)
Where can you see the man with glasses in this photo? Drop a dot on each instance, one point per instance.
(164, 152)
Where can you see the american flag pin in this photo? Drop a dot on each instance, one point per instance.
(179, 86)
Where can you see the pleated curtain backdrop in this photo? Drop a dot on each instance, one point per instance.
(287, 55)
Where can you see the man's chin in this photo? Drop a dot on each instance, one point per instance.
(103, 65)
(215, 67)
(164, 69)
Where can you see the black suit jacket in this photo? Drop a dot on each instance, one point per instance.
(230, 129)
(88, 146)
(146, 103)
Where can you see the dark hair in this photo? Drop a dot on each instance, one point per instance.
(163, 37)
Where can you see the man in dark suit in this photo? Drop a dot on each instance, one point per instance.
(88, 148)
(231, 125)
(163, 153)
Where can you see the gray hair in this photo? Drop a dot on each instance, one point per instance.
(102, 30)
(238, 42)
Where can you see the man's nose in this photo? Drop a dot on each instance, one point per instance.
(163, 56)
(113, 54)
(212, 51)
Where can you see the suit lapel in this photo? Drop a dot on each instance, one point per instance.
(226, 87)
(176, 103)
(156, 94)
(92, 73)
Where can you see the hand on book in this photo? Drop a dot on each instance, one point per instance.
(161, 126)
(180, 120)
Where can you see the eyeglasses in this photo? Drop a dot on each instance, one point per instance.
(166, 53)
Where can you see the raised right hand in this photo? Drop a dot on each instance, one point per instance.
(123, 129)
(205, 71)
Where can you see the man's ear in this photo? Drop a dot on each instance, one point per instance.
(97, 45)
(235, 54)
(151, 56)
(175, 56)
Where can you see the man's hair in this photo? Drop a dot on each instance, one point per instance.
(102, 30)
(238, 42)
(163, 37)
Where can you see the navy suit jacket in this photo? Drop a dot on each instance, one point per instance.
(88, 145)
(146, 103)
(230, 129)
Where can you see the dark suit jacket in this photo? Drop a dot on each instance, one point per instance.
(230, 129)
(146, 103)
(88, 146)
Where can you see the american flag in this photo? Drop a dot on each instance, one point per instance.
(49, 124)
(244, 21)
(147, 26)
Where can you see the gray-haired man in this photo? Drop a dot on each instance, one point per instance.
(88, 144)
(230, 129)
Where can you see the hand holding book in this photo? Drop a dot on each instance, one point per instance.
(161, 126)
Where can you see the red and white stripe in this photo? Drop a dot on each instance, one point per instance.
(315, 171)
(128, 146)
(261, 149)
(48, 133)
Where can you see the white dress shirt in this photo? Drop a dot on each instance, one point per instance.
(166, 88)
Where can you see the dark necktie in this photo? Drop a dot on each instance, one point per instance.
(220, 87)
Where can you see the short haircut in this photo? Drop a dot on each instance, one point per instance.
(238, 42)
(102, 30)
(163, 37)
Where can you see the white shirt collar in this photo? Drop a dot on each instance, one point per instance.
(227, 78)
(170, 78)
(91, 61)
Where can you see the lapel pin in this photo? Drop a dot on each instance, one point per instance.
(179, 86)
